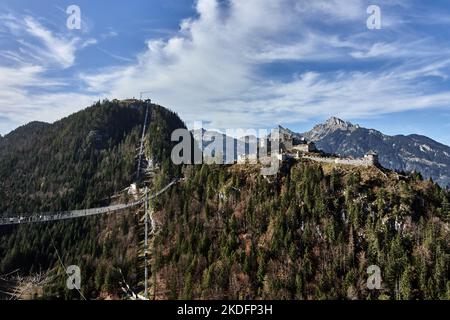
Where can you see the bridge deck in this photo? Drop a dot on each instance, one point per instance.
(72, 214)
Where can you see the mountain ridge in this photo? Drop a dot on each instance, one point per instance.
(82, 161)
(224, 232)
(405, 153)
(412, 152)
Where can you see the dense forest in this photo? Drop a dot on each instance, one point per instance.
(310, 233)
(225, 232)
(79, 162)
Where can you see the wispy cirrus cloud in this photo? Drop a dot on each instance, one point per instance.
(27, 92)
(39, 45)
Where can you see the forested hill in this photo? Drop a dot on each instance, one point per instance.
(311, 233)
(225, 231)
(79, 162)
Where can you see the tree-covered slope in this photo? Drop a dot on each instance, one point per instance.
(79, 162)
(224, 231)
(309, 234)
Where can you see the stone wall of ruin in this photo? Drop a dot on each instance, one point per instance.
(352, 162)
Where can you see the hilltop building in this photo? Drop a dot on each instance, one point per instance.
(371, 158)
(247, 158)
(305, 147)
(295, 147)
(291, 144)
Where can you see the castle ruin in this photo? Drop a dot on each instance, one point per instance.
(293, 147)
(302, 149)
(370, 159)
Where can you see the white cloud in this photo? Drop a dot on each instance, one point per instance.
(40, 45)
(211, 70)
(332, 9)
(110, 34)
(377, 50)
(215, 67)
(21, 100)
(62, 50)
(22, 107)
(27, 93)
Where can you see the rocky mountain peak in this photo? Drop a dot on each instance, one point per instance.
(336, 124)
(331, 125)
(402, 153)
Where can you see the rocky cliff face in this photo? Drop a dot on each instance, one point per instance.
(333, 124)
(403, 153)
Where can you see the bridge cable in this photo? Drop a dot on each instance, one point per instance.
(141, 148)
(64, 267)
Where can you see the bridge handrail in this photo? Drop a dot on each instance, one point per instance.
(71, 214)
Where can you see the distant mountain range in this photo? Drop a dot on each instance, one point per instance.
(208, 146)
(401, 153)
(222, 232)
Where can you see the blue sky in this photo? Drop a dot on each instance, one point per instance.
(232, 63)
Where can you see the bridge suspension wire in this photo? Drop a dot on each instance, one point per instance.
(38, 218)
(67, 215)
(64, 267)
(146, 205)
(28, 218)
(141, 148)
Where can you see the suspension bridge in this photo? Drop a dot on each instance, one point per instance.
(72, 214)
(31, 218)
